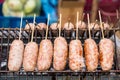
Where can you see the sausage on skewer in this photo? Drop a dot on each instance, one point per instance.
(54, 26)
(45, 55)
(41, 26)
(106, 47)
(76, 60)
(68, 26)
(81, 25)
(30, 56)
(15, 55)
(60, 53)
(29, 26)
(91, 54)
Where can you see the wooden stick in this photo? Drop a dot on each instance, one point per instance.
(28, 23)
(68, 22)
(101, 24)
(117, 14)
(95, 23)
(33, 27)
(47, 26)
(88, 18)
(77, 25)
(60, 25)
(57, 23)
(21, 25)
(82, 17)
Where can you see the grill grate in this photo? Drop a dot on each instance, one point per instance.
(7, 35)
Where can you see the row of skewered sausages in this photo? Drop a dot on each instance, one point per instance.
(67, 26)
(32, 57)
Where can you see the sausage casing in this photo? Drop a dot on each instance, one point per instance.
(106, 47)
(60, 53)
(68, 26)
(76, 60)
(30, 56)
(16, 55)
(45, 55)
(91, 54)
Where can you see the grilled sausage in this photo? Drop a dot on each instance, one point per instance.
(94, 26)
(41, 26)
(54, 26)
(91, 54)
(60, 53)
(45, 55)
(81, 25)
(30, 56)
(29, 26)
(106, 47)
(15, 55)
(68, 26)
(76, 60)
(106, 26)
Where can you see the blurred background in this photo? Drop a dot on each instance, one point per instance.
(10, 10)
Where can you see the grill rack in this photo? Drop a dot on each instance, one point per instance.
(9, 34)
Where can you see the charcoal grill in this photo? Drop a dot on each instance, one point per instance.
(7, 35)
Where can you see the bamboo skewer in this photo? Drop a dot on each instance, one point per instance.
(77, 25)
(28, 24)
(21, 25)
(68, 22)
(95, 23)
(33, 27)
(82, 17)
(88, 18)
(117, 14)
(60, 25)
(57, 23)
(101, 24)
(47, 26)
